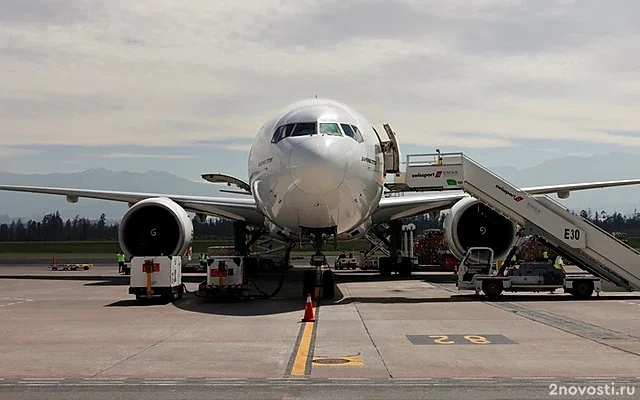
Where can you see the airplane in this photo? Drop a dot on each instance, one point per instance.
(316, 173)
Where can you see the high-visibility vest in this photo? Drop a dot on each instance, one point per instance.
(120, 257)
(545, 255)
(559, 263)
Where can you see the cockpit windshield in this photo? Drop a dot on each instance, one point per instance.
(313, 128)
(330, 129)
(304, 129)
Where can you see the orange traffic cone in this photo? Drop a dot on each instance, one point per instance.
(308, 311)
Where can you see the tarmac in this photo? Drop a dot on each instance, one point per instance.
(82, 329)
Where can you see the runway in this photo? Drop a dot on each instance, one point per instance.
(68, 333)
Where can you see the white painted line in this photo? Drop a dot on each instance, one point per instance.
(163, 379)
(407, 379)
(102, 379)
(37, 384)
(161, 384)
(471, 379)
(366, 379)
(538, 378)
(228, 379)
(42, 379)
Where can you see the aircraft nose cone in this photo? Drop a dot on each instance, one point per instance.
(318, 164)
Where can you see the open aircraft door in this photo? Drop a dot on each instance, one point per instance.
(390, 151)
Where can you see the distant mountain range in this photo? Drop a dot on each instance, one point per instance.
(562, 170)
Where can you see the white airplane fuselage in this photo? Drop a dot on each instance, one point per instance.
(318, 171)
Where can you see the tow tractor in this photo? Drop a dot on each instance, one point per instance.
(478, 271)
(70, 267)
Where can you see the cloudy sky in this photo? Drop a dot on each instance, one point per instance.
(184, 86)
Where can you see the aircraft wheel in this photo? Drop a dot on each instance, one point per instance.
(384, 266)
(405, 266)
(308, 283)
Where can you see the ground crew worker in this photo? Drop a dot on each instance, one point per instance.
(203, 260)
(559, 264)
(121, 259)
(545, 255)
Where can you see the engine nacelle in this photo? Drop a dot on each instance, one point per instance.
(154, 227)
(472, 224)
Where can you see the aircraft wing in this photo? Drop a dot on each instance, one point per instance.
(236, 209)
(414, 204)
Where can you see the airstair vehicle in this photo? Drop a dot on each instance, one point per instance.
(576, 238)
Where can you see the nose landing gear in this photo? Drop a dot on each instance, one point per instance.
(321, 278)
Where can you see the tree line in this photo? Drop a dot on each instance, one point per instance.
(53, 228)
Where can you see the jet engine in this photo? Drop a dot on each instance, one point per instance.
(473, 224)
(154, 227)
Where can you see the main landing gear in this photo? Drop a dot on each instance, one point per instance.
(320, 277)
(390, 236)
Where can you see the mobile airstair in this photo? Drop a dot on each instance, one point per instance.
(576, 238)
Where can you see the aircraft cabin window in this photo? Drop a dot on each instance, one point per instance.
(330, 129)
(303, 129)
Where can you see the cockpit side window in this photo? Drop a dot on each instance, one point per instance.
(353, 132)
(357, 135)
(282, 132)
(303, 129)
(347, 130)
(329, 128)
(277, 135)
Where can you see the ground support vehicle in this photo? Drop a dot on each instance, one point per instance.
(344, 262)
(226, 278)
(478, 271)
(156, 276)
(573, 237)
(70, 267)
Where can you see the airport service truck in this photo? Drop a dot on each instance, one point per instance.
(226, 278)
(478, 271)
(156, 276)
(344, 262)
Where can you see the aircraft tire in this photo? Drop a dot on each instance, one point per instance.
(308, 283)
(384, 266)
(405, 266)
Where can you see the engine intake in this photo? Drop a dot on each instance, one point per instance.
(154, 227)
(473, 224)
